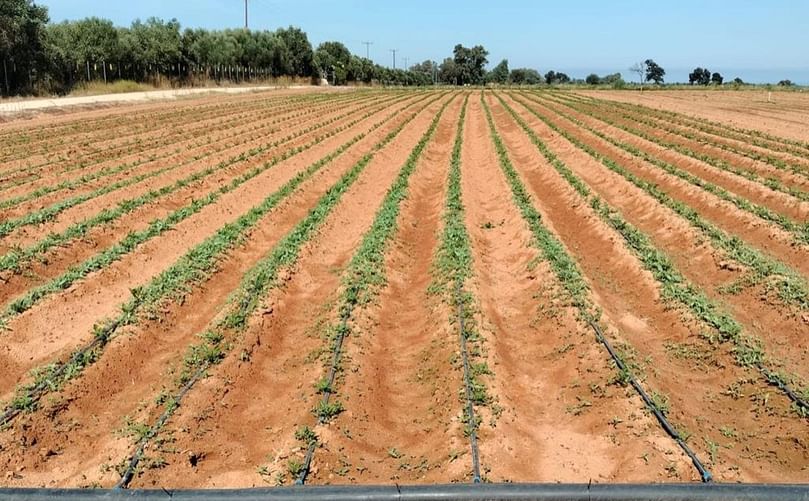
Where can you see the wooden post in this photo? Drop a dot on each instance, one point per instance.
(104, 65)
(88, 70)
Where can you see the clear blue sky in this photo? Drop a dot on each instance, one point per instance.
(758, 40)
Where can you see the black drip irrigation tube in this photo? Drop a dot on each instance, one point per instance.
(33, 395)
(470, 408)
(705, 475)
(137, 456)
(781, 385)
(442, 492)
(327, 392)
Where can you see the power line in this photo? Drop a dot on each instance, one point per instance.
(367, 49)
(394, 57)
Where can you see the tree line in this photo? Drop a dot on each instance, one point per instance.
(42, 57)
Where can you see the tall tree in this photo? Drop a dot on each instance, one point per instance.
(299, 51)
(470, 64)
(22, 43)
(331, 60)
(700, 76)
(499, 73)
(654, 72)
(525, 76)
(717, 78)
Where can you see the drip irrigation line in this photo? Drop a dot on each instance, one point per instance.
(470, 408)
(459, 491)
(327, 392)
(34, 394)
(704, 473)
(776, 381)
(134, 460)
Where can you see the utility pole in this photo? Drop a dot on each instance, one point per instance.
(245, 15)
(394, 57)
(367, 49)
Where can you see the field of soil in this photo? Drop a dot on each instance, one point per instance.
(406, 286)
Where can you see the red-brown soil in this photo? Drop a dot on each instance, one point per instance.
(557, 414)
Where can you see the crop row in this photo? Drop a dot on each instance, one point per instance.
(172, 149)
(192, 268)
(156, 228)
(565, 267)
(255, 285)
(50, 212)
(791, 287)
(721, 164)
(758, 138)
(119, 127)
(799, 231)
(747, 350)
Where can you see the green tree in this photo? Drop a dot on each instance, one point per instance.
(332, 60)
(23, 41)
(593, 79)
(550, 77)
(470, 64)
(499, 73)
(448, 72)
(654, 72)
(717, 78)
(525, 76)
(429, 70)
(154, 43)
(700, 76)
(299, 56)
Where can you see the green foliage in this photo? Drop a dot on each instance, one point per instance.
(525, 76)
(468, 65)
(553, 77)
(700, 76)
(592, 79)
(654, 72)
(499, 73)
(23, 40)
(332, 61)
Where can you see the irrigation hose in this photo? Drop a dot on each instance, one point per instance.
(33, 395)
(470, 408)
(137, 456)
(327, 392)
(703, 472)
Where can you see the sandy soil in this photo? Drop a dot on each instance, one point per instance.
(786, 114)
(557, 414)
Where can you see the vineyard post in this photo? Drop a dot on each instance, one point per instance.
(87, 64)
(104, 67)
